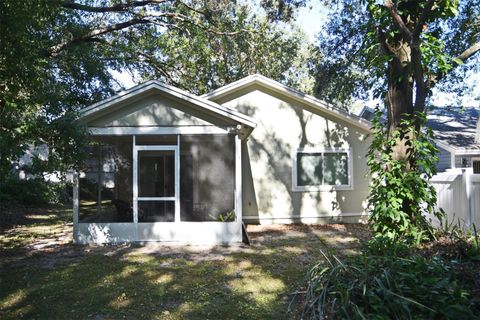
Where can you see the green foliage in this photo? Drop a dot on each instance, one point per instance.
(228, 216)
(32, 192)
(400, 193)
(387, 286)
(40, 94)
(354, 65)
(56, 57)
(200, 61)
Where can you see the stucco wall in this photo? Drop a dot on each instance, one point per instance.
(283, 127)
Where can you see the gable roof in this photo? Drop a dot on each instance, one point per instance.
(456, 129)
(202, 104)
(290, 93)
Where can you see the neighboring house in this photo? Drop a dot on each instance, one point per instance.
(166, 165)
(457, 134)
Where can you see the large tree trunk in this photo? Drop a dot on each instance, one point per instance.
(400, 106)
(399, 96)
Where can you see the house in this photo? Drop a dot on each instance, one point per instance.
(457, 134)
(167, 165)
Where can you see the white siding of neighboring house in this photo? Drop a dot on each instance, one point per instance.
(444, 160)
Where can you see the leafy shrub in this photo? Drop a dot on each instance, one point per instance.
(32, 192)
(401, 164)
(387, 286)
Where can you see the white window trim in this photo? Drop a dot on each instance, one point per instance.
(297, 188)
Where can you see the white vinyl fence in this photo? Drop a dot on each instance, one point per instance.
(458, 192)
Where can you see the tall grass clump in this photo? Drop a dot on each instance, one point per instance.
(380, 285)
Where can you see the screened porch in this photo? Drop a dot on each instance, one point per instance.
(159, 188)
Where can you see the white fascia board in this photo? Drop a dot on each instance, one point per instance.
(172, 91)
(445, 146)
(457, 151)
(118, 131)
(293, 94)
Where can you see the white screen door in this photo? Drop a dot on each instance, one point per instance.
(156, 184)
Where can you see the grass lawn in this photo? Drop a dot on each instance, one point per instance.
(44, 276)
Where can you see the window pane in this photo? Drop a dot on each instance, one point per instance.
(309, 169)
(336, 168)
(207, 178)
(105, 184)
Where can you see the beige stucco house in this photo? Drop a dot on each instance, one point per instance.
(167, 165)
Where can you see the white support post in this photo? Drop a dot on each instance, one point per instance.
(238, 179)
(177, 181)
(76, 206)
(135, 182)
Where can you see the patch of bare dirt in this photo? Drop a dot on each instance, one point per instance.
(51, 245)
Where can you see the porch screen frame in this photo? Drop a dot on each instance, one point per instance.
(176, 198)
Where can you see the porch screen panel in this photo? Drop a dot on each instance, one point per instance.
(105, 185)
(207, 178)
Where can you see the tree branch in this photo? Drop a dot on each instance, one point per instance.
(469, 52)
(384, 43)
(397, 19)
(164, 19)
(55, 50)
(423, 18)
(115, 8)
(464, 56)
(418, 76)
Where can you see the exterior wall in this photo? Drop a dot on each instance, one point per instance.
(156, 110)
(284, 127)
(444, 160)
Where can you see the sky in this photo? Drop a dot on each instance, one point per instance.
(311, 18)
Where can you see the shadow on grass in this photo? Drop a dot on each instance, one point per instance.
(160, 282)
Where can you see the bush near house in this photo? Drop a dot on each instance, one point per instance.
(32, 192)
(438, 280)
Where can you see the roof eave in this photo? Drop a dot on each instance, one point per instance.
(203, 103)
(292, 93)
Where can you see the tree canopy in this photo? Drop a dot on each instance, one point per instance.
(57, 56)
(362, 37)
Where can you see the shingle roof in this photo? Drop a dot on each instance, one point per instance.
(457, 127)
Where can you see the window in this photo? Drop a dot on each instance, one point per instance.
(322, 170)
(476, 165)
